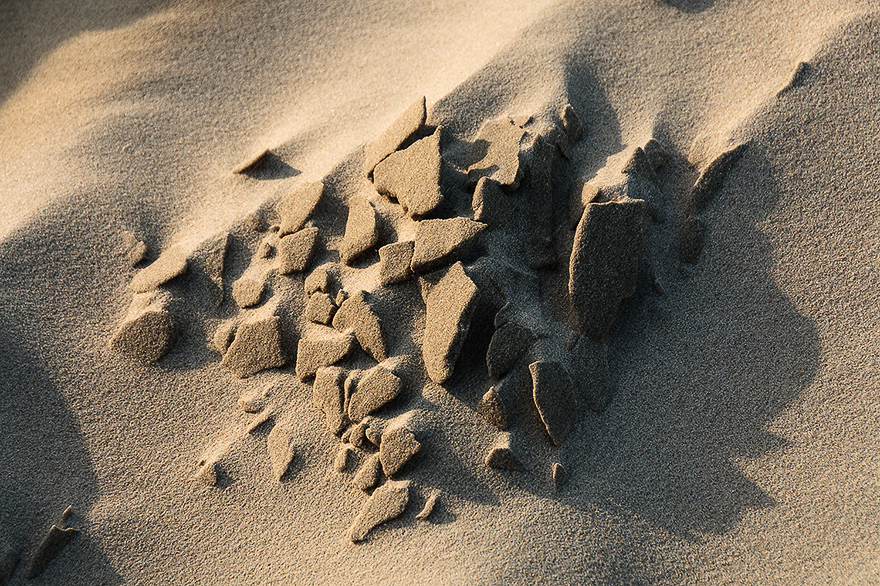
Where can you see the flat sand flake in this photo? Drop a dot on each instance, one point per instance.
(450, 306)
(356, 313)
(387, 503)
(361, 231)
(412, 176)
(170, 264)
(256, 347)
(412, 119)
(295, 208)
(440, 242)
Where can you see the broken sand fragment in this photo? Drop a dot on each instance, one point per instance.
(342, 459)
(559, 475)
(361, 231)
(378, 387)
(501, 456)
(508, 343)
(253, 401)
(295, 208)
(394, 262)
(223, 336)
(247, 292)
(170, 264)
(320, 308)
(135, 250)
(356, 314)
(412, 119)
(257, 346)
(318, 280)
(491, 408)
(322, 346)
(603, 269)
(571, 123)
(281, 450)
(554, 399)
(148, 331)
(441, 242)
(412, 176)
(387, 503)
(327, 396)
(490, 205)
(398, 445)
(295, 251)
(500, 140)
(711, 180)
(450, 307)
(581, 194)
(369, 474)
(52, 544)
(430, 503)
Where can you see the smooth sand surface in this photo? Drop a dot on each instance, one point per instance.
(733, 436)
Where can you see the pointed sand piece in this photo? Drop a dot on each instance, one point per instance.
(210, 258)
(135, 250)
(256, 347)
(318, 280)
(430, 503)
(412, 119)
(559, 475)
(490, 205)
(356, 313)
(394, 262)
(397, 447)
(247, 292)
(295, 250)
(491, 408)
(440, 242)
(170, 264)
(281, 451)
(296, 207)
(450, 306)
(322, 347)
(501, 138)
(149, 331)
(369, 474)
(571, 123)
(52, 544)
(412, 176)
(508, 343)
(343, 458)
(320, 308)
(327, 396)
(378, 387)
(361, 231)
(711, 180)
(388, 502)
(502, 456)
(554, 399)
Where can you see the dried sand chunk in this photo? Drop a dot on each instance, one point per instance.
(450, 307)
(558, 475)
(318, 280)
(211, 257)
(711, 180)
(135, 250)
(378, 387)
(397, 447)
(502, 456)
(580, 195)
(257, 346)
(604, 263)
(554, 399)
(412, 119)
(394, 262)
(320, 308)
(491, 408)
(356, 314)
(387, 503)
(247, 292)
(281, 450)
(343, 457)
(508, 343)
(358, 437)
(501, 140)
(361, 231)
(170, 264)
(430, 503)
(490, 205)
(265, 250)
(327, 396)
(441, 242)
(369, 474)
(52, 544)
(571, 123)
(223, 336)
(149, 331)
(322, 347)
(295, 208)
(295, 251)
(253, 401)
(412, 176)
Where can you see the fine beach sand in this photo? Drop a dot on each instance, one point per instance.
(396, 292)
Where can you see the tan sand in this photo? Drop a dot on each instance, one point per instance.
(195, 196)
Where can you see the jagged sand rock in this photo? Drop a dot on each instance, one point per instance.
(412, 176)
(559, 475)
(135, 250)
(265, 250)
(378, 387)
(320, 308)
(394, 262)
(501, 140)
(318, 280)
(412, 119)
(450, 307)
(170, 264)
(295, 208)
(281, 450)
(321, 347)
(358, 437)
(295, 251)
(369, 474)
(554, 399)
(388, 502)
(361, 231)
(398, 445)
(491, 408)
(343, 457)
(604, 263)
(247, 292)
(356, 314)
(210, 258)
(257, 346)
(52, 544)
(508, 343)
(581, 194)
(502, 456)
(327, 396)
(489, 204)
(430, 503)
(441, 242)
(149, 331)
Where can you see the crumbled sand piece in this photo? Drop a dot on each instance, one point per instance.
(501, 140)
(261, 418)
(358, 437)
(206, 475)
(690, 239)
(322, 347)
(265, 250)
(52, 544)
(346, 436)
(328, 398)
(559, 475)
(294, 209)
(281, 450)
(343, 458)
(412, 176)
(412, 119)
(373, 433)
(247, 292)
(508, 343)
(170, 264)
(211, 257)
(295, 251)
(430, 503)
(571, 123)
(320, 308)
(369, 474)
(253, 401)
(441, 242)
(711, 180)
(554, 399)
(394, 262)
(149, 331)
(604, 263)
(340, 298)
(256, 347)
(378, 387)
(502, 456)
(492, 409)
(450, 307)
(135, 250)
(397, 447)
(223, 336)
(540, 229)
(387, 503)
(361, 231)
(318, 280)
(490, 205)
(355, 313)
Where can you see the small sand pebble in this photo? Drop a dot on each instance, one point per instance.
(571, 123)
(559, 475)
(554, 399)
(412, 176)
(387, 502)
(501, 161)
(265, 250)
(320, 308)
(149, 331)
(378, 387)
(450, 306)
(489, 204)
(223, 336)
(318, 280)
(412, 119)
(508, 343)
(442, 242)
(247, 292)
(322, 348)
(492, 409)
(394, 262)
(256, 347)
(327, 396)
(358, 436)
(397, 447)
(502, 456)
(356, 313)
(361, 231)
(170, 264)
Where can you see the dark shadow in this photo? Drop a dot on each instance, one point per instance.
(689, 6)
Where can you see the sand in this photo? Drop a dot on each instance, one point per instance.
(408, 196)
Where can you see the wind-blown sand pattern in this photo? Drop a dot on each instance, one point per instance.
(515, 293)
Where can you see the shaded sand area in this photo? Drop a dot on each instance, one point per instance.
(440, 293)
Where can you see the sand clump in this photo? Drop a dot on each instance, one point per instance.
(386, 503)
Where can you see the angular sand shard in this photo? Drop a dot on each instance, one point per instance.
(412, 176)
(135, 250)
(441, 242)
(281, 450)
(52, 544)
(508, 343)
(378, 387)
(412, 119)
(501, 140)
(604, 263)
(295, 208)
(502, 456)
(387, 503)
(397, 446)
(394, 262)
(170, 264)
(491, 408)
(571, 123)
(247, 292)
(355, 313)
(554, 398)
(295, 251)
(320, 308)
(430, 503)
(369, 474)
(450, 307)
(321, 347)
(711, 180)
(327, 396)
(257, 346)
(318, 280)
(361, 231)
(490, 205)
(149, 331)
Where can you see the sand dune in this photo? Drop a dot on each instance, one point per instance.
(440, 293)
